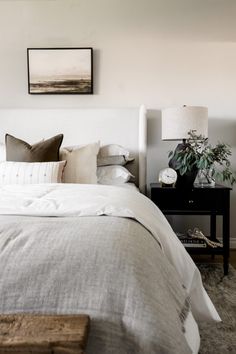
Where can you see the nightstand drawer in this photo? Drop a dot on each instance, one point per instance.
(198, 201)
(168, 199)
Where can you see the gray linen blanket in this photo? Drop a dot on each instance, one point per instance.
(110, 268)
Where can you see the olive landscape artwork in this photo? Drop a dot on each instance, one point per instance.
(60, 70)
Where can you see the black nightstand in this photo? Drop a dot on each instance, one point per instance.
(210, 201)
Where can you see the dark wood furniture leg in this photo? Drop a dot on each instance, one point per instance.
(226, 241)
(213, 230)
(213, 227)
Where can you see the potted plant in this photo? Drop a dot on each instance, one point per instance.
(196, 154)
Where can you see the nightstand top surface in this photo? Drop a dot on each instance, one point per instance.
(196, 186)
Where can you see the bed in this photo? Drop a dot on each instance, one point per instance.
(103, 250)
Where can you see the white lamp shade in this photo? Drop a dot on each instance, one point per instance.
(177, 122)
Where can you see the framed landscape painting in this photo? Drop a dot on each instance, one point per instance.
(60, 70)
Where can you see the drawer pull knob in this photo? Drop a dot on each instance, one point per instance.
(190, 201)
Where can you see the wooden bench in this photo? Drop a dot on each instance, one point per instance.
(59, 334)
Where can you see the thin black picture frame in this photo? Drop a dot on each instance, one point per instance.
(54, 82)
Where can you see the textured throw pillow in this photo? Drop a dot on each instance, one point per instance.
(114, 160)
(113, 175)
(33, 172)
(43, 151)
(81, 164)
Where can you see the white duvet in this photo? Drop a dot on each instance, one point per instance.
(90, 200)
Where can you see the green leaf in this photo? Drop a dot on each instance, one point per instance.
(198, 153)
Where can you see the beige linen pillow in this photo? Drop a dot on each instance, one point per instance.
(81, 164)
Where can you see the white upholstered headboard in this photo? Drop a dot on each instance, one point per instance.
(123, 126)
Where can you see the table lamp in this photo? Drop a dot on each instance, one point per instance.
(177, 122)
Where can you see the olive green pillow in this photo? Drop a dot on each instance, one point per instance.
(43, 151)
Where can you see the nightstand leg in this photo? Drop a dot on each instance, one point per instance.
(226, 266)
(213, 227)
(213, 230)
(226, 242)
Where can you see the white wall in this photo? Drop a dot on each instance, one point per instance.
(157, 52)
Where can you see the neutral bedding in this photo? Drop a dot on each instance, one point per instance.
(105, 251)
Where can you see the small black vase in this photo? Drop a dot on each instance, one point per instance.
(187, 180)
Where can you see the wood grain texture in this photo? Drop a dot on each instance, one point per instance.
(59, 334)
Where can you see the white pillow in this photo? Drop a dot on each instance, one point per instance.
(120, 160)
(2, 152)
(113, 150)
(113, 175)
(31, 172)
(81, 164)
